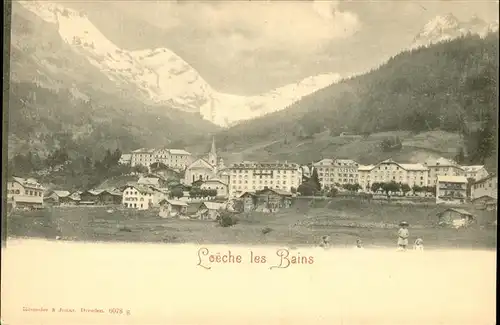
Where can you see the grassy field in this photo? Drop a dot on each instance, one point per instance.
(345, 220)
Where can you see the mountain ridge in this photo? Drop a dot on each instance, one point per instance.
(55, 93)
(161, 76)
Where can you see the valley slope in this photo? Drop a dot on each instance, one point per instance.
(449, 87)
(58, 99)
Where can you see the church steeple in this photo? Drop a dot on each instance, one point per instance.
(212, 155)
(213, 151)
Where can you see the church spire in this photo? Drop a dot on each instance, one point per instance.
(212, 155)
(213, 151)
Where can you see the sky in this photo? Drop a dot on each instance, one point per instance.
(247, 47)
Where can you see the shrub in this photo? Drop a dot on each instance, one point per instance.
(226, 220)
(266, 230)
(332, 192)
(170, 239)
(125, 229)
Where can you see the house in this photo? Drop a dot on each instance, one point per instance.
(172, 208)
(476, 172)
(89, 197)
(273, 199)
(442, 167)
(163, 172)
(24, 193)
(485, 187)
(485, 199)
(142, 197)
(455, 217)
(451, 189)
(157, 182)
(248, 201)
(100, 197)
(109, 197)
(491, 206)
(76, 195)
(216, 184)
(223, 174)
(210, 210)
(192, 209)
(125, 159)
(485, 202)
(61, 198)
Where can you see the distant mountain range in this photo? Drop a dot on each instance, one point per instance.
(159, 76)
(73, 85)
(58, 99)
(450, 86)
(448, 27)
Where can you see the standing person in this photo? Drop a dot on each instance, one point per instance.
(403, 235)
(325, 242)
(359, 243)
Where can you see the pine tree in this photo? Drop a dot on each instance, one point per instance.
(460, 157)
(314, 180)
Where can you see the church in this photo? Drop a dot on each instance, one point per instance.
(206, 168)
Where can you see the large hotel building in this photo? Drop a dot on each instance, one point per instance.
(173, 158)
(337, 171)
(391, 171)
(254, 176)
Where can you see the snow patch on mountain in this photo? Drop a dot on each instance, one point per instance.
(162, 77)
(448, 27)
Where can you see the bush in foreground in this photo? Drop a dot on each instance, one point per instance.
(226, 219)
(266, 230)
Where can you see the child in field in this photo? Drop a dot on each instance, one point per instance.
(359, 243)
(403, 235)
(325, 242)
(419, 244)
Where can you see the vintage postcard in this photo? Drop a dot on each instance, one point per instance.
(249, 162)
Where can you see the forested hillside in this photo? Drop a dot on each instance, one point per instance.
(42, 120)
(450, 86)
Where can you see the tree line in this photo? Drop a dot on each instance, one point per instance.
(70, 172)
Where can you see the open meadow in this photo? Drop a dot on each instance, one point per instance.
(344, 220)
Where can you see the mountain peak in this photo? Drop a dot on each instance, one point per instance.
(447, 27)
(160, 77)
(441, 22)
(450, 17)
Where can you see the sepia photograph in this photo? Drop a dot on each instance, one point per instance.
(249, 162)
